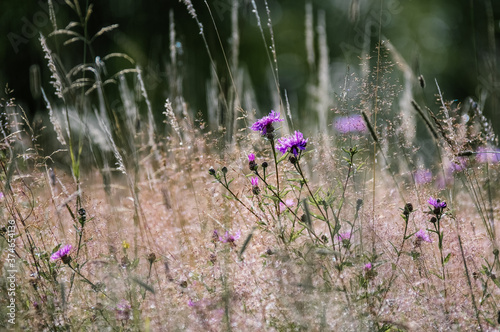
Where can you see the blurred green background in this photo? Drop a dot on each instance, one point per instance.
(456, 43)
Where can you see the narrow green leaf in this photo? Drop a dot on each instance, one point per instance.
(447, 258)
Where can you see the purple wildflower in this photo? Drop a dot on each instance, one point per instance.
(251, 162)
(1, 196)
(254, 181)
(292, 143)
(422, 235)
(191, 303)
(62, 253)
(368, 267)
(123, 310)
(488, 155)
(423, 176)
(230, 238)
(436, 203)
(265, 125)
(347, 124)
(344, 236)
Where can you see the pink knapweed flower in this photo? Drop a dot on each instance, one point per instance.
(292, 144)
(228, 238)
(62, 253)
(422, 235)
(265, 125)
(255, 181)
(251, 157)
(436, 203)
(367, 267)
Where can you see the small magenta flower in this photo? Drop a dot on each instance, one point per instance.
(252, 165)
(367, 267)
(292, 144)
(436, 203)
(345, 239)
(348, 124)
(265, 125)
(62, 254)
(422, 235)
(254, 181)
(228, 238)
(255, 185)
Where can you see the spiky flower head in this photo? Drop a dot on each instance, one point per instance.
(292, 144)
(228, 238)
(422, 235)
(254, 181)
(367, 267)
(436, 203)
(251, 157)
(62, 254)
(265, 125)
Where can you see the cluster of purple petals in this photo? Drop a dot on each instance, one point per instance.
(229, 238)
(292, 143)
(423, 236)
(423, 176)
(63, 251)
(436, 203)
(262, 125)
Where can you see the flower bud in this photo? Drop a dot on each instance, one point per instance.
(211, 171)
(224, 170)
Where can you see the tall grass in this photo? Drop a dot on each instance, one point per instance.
(212, 225)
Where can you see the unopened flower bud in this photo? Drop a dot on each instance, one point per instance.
(151, 258)
(224, 169)
(292, 159)
(433, 220)
(211, 171)
(265, 164)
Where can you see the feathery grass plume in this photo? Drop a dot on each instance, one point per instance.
(427, 122)
(441, 129)
(119, 159)
(151, 121)
(56, 79)
(169, 113)
(53, 119)
(369, 125)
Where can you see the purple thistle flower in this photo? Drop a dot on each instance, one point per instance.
(62, 253)
(292, 143)
(251, 157)
(230, 238)
(344, 236)
(265, 125)
(459, 165)
(254, 181)
(367, 267)
(422, 235)
(436, 203)
(347, 124)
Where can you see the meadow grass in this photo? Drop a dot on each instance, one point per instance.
(251, 220)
